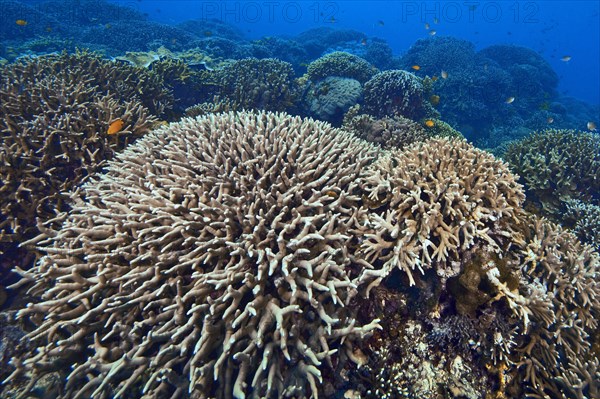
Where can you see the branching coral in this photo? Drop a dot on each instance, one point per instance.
(389, 132)
(435, 200)
(504, 289)
(555, 355)
(210, 260)
(266, 84)
(556, 166)
(584, 219)
(54, 115)
(395, 92)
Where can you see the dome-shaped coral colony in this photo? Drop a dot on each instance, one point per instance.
(214, 250)
(230, 256)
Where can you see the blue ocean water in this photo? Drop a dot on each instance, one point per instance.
(554, 29)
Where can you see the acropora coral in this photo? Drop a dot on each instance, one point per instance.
(211, 259)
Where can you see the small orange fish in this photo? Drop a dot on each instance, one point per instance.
(509, 100)
(444, 74)
(591, 126)
(434, 99)
(115, 127)
(207, 33)
(332, 194)
(429, 123)
(21, 22)
(550, 120)
(432, 33)
(566, 58)
(416, 67)
(434, 78)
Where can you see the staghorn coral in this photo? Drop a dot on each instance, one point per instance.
(331, 97)
(513, 295)
(389, 132)
(210, 260)
(584, 219)
(206, 108)
(395, 92)
(556, 166)
(435, 200)
(554, 356)
(54, 114)
(340, 64)
(266, 84)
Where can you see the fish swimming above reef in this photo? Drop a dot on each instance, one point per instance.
(115, 127)
(509, 100)
(21, 22)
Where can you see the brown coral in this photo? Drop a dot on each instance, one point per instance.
(389, 132)
(54, 115)
(251, 83)
(210, 260)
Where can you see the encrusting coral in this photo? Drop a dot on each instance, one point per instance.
(210, 260)
(55, 112)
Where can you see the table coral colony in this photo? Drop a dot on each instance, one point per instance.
(257, 254)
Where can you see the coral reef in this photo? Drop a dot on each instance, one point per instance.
(395, 92)
(439, 128)
(206, 27)
(330, 98)
(557, 165)
(117, 37)
(461, 274)
(389, 132)
(210, 260)
(533, 78)
(266, 84)
(438, 53)
(54, 115)
(435, 200)
(584, 219)
(341, 64)
(317, 41)
(554, 356)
